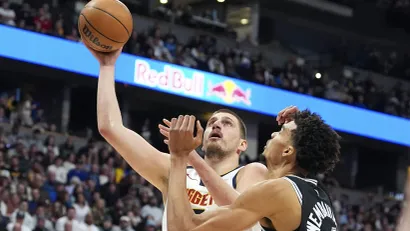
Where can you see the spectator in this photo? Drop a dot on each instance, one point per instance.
(152, 212)
(81, 207)
(89, 223)
(125, 224)
(7, 15)
(69, 221)
(18, 224)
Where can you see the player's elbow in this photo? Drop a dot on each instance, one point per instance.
(106, 130)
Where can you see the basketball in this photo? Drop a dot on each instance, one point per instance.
(105, 25)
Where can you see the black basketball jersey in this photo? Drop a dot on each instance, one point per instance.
(317, 208)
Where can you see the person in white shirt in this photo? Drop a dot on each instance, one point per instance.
(125, 224)
(7, 15)
(152, 210)
(19, 223)
(81, 208)
(40, 217)
(89, 223)
(22, 211)
(74, 224)
(59, 170)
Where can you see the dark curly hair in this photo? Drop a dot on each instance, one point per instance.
(316, 143)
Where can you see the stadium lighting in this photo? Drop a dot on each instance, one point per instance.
(318, 75)
(163, 1)
(220, 0)
(244, 21)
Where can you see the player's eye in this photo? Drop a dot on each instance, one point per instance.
(227, 122)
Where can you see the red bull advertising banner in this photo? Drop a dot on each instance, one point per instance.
(191, 83)
(199, 85)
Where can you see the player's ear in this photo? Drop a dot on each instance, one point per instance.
(243, 145)
(288, 151)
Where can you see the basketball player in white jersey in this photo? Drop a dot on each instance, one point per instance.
(224, 140)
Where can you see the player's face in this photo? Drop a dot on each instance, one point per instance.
(222, 135)
(279, 145)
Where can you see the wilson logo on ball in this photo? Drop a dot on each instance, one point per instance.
(87, 32)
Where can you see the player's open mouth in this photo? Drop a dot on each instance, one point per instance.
(215, 135)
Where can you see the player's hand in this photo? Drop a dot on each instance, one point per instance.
(181, 135)
(164, 130)
(286, 115)
(105, 58)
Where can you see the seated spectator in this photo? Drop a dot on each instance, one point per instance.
(152, 212)
(81, 207)
(7, 15)
(79, 171)
(18, 224)
(69, 221)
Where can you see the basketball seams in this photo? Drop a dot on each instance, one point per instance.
(88, 22)
(129, 34)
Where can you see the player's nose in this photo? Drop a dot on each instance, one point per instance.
(216, 125)
(273, 135)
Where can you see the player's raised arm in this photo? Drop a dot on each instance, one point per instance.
(150, 163)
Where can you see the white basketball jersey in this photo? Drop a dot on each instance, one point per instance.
(199, 196)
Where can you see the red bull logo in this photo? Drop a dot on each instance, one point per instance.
(170, 78)
(229, 92)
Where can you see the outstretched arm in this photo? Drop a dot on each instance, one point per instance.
(150, 163)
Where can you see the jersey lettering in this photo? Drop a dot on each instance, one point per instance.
(197, 198)
(320, 212)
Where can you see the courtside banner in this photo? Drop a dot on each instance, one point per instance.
(186, 82)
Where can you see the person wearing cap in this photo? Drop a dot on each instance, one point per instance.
(23, 212)
(18, 224)
(125, 224)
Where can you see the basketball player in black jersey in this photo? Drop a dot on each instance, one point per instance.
(404, 220)
(288, 200)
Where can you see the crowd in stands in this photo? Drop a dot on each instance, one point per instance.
(47, 186)
(201, 53)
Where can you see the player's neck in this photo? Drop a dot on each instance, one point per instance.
(282, 170)
(224, 165)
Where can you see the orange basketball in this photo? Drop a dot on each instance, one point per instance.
(105, 25)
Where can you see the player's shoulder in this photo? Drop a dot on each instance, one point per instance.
(255, 168)
(275, 189)
(253, 171)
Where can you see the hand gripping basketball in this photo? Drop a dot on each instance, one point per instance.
(181, 135)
